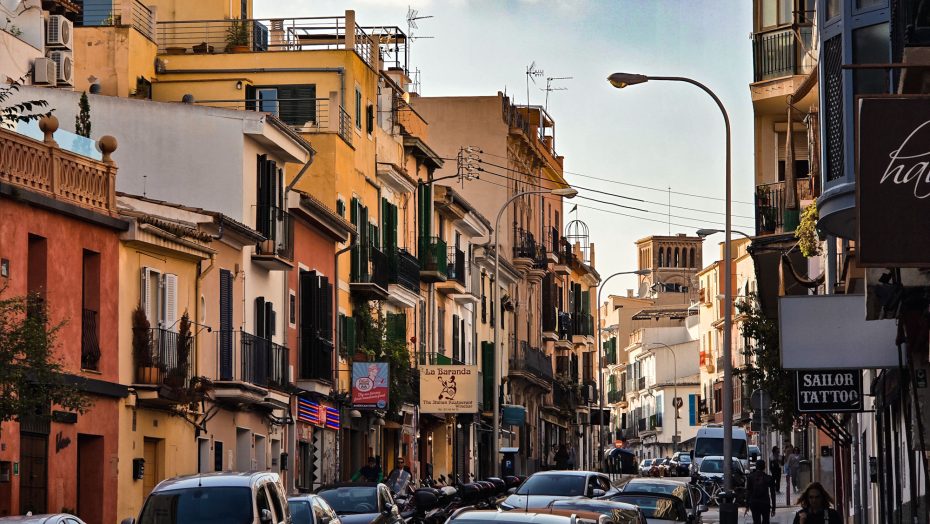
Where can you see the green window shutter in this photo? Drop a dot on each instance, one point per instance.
(341, 329)
(350, 335)
(353, 212)
(385, 224)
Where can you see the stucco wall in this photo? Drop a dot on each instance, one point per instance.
(114, 57)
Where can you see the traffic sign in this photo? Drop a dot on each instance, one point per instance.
(761, 400)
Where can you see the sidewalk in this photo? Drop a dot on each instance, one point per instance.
(784, 513)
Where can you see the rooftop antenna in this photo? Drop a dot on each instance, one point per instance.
(531, 73)
(549, 87)
(412, 17)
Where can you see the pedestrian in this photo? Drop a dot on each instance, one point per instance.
(571, 456)
(793, 465)
(775, 468)
(760, 494)
(816, 507)
(370, 472)
(561, 457)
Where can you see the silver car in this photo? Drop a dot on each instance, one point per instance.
(311, 509)
(545, 486)
(55, 518)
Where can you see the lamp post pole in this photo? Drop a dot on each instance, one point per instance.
(495, 305)
(675, 437)
(728, 510)
(600, 351)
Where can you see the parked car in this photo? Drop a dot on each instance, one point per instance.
(754, 454)
(689, 494)
(645, 466)
(616, 512)
(256, 498)
(657, 507)
(712, 467)
(656, 469)
(364, 502)
(679, 465)
(51, 518)
(545, 486)
(512, 517)
(312, 509)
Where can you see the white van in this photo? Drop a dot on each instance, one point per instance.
(709, 442)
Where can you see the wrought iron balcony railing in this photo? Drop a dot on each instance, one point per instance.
(780, 53)
(433, 255)
(277, 226)
(455, 268)
(532, 361)
(314, 357)
(90, 345)
(246, 358)
(404, 270)
(169, 358)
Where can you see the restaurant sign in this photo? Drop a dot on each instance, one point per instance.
(448, 389)
(822, 391)
(893, 180)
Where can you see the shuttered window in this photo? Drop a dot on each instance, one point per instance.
(388, 226)
(396, 328)
(226, 324)
(455, 338)
(295, 105)
(441, 329)
(316, 326)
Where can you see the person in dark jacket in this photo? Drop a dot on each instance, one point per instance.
(561, 457)
(760, 494)
(775, 466)
(815, 505)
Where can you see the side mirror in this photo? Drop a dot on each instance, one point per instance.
(128, 520)
(701, 508)
(266, 516)
(598, 493)
(511, 491)
(388, 508)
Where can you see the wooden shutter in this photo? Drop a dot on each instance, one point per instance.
(455, 336)
(250, 97)
(462, 339)
(259, 315)
(170, 301)
(297, 105)
(270, 321)
(370, 117)
(145, 297)
(487, 373)
(326, 309)
(226, 323)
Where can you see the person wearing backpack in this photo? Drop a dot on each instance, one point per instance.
(760, 494)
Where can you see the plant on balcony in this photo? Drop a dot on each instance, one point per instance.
(237, 36)
(177, 375)
(765, 370)
(31, 375)
(374, 342)
(147, 369)
(806, 232)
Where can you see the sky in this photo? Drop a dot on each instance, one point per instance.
(637, 142)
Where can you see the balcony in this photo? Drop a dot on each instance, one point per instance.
(524, 249)
(565, 397)
(615, 396)
(433, 260)
(582, 328)
(249, 368)
(655, 422)
(314, 358)
(533, 365)
(777, 54)
(276, 252)
(641, 383)
(119, 13)
(564, 332)
(553, 241)
(455, 274)
(90, 345)
(641, 425)
(403, 278)
(771, 215)
(369, 275)
(167, 370)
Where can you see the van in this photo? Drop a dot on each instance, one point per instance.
(221, 497)
(709, 442)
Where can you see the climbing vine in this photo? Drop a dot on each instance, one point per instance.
(806, 232)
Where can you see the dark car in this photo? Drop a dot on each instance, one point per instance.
(618, 512)
(679, 465)
(687, 492)
(656, 506)
(360, 502)
(311, 509)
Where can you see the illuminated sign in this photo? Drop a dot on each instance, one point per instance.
(316, 414)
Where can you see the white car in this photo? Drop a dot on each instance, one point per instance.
(712, 467)
(545, 486)
(644, 467)
(54, 518)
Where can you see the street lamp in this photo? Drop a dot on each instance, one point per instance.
(675, 438)
(566, 192)
(728, 510)
(600, 351)
(704, 233)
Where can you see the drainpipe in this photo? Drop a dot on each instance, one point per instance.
(300, 173)
(353, 243)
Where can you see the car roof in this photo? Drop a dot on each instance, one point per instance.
(656, 481)
(565, 473)
(216, 479)
(508, 516)
(36, 519)
(593, 503)
(349, 485)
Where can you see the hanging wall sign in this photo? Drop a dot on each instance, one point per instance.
(820, 391)
(448, 389)
(370, 383)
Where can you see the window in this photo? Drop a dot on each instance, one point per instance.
(292, 309)
(871, 45)
(316, 326)
(341, 207)
(776, 12)
(295, 105)
(358, 108)
(90, 297)
(801, 157)
(159, 298)
(370, 118)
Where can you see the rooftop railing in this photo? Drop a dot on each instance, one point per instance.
(132, 13)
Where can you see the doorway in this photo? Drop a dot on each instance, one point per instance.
(151, 475)
(90, 478)
(33, 483)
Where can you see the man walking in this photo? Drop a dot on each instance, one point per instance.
(793, 465)
(775, 468)
(760, 494)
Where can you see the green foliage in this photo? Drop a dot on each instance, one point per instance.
(82, 120)
(765, 371)
(371, 325)
(806, 232)
(32, 377)
(142, 339)
(238, 32)
(21, 112)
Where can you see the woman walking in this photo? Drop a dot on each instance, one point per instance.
(816, 507)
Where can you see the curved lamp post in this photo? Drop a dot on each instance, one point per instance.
(600, 352)
(728, 510)
(566, 192)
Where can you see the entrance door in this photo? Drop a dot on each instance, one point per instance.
(151, 476)
(33, 483)
(90, 473)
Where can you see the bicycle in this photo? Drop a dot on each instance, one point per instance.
(710, 489)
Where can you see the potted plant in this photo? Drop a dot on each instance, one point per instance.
(146, 370)
(237, 36)
(202, 48)
(177, 376)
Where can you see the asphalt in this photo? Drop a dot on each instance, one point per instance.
(784, 510)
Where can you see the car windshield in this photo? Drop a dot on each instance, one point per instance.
(347, 500)
(684, 459)
(711, 466)
(647, 462)
(212, 505)
(568, 485)
(666, 508)
(618, 515)
(300, 510)
(705, 447)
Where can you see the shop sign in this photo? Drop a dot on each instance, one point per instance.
(821, 391)
(448, 389)
(317, 414)
(893, 181)
(370, 385)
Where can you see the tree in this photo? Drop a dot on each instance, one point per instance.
(82, 120)
(21, 112)
(373, 340)
(32, 377)
(766, 372)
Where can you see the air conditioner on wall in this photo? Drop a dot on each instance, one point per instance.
(64, 66)
(44, 71)
(59, 32)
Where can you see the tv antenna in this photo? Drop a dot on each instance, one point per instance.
(531, 73)
(412, 17)
(549, 87)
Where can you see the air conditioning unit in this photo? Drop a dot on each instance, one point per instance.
(44, 71)
(59, 32)
(64, 66)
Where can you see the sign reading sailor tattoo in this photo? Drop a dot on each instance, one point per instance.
(822, 391)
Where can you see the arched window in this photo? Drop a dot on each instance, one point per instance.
(668, 257)
(692, 258)
(677, 259)
(661, 258)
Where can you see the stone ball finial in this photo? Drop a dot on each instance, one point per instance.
(107, 145)
(48, 125)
